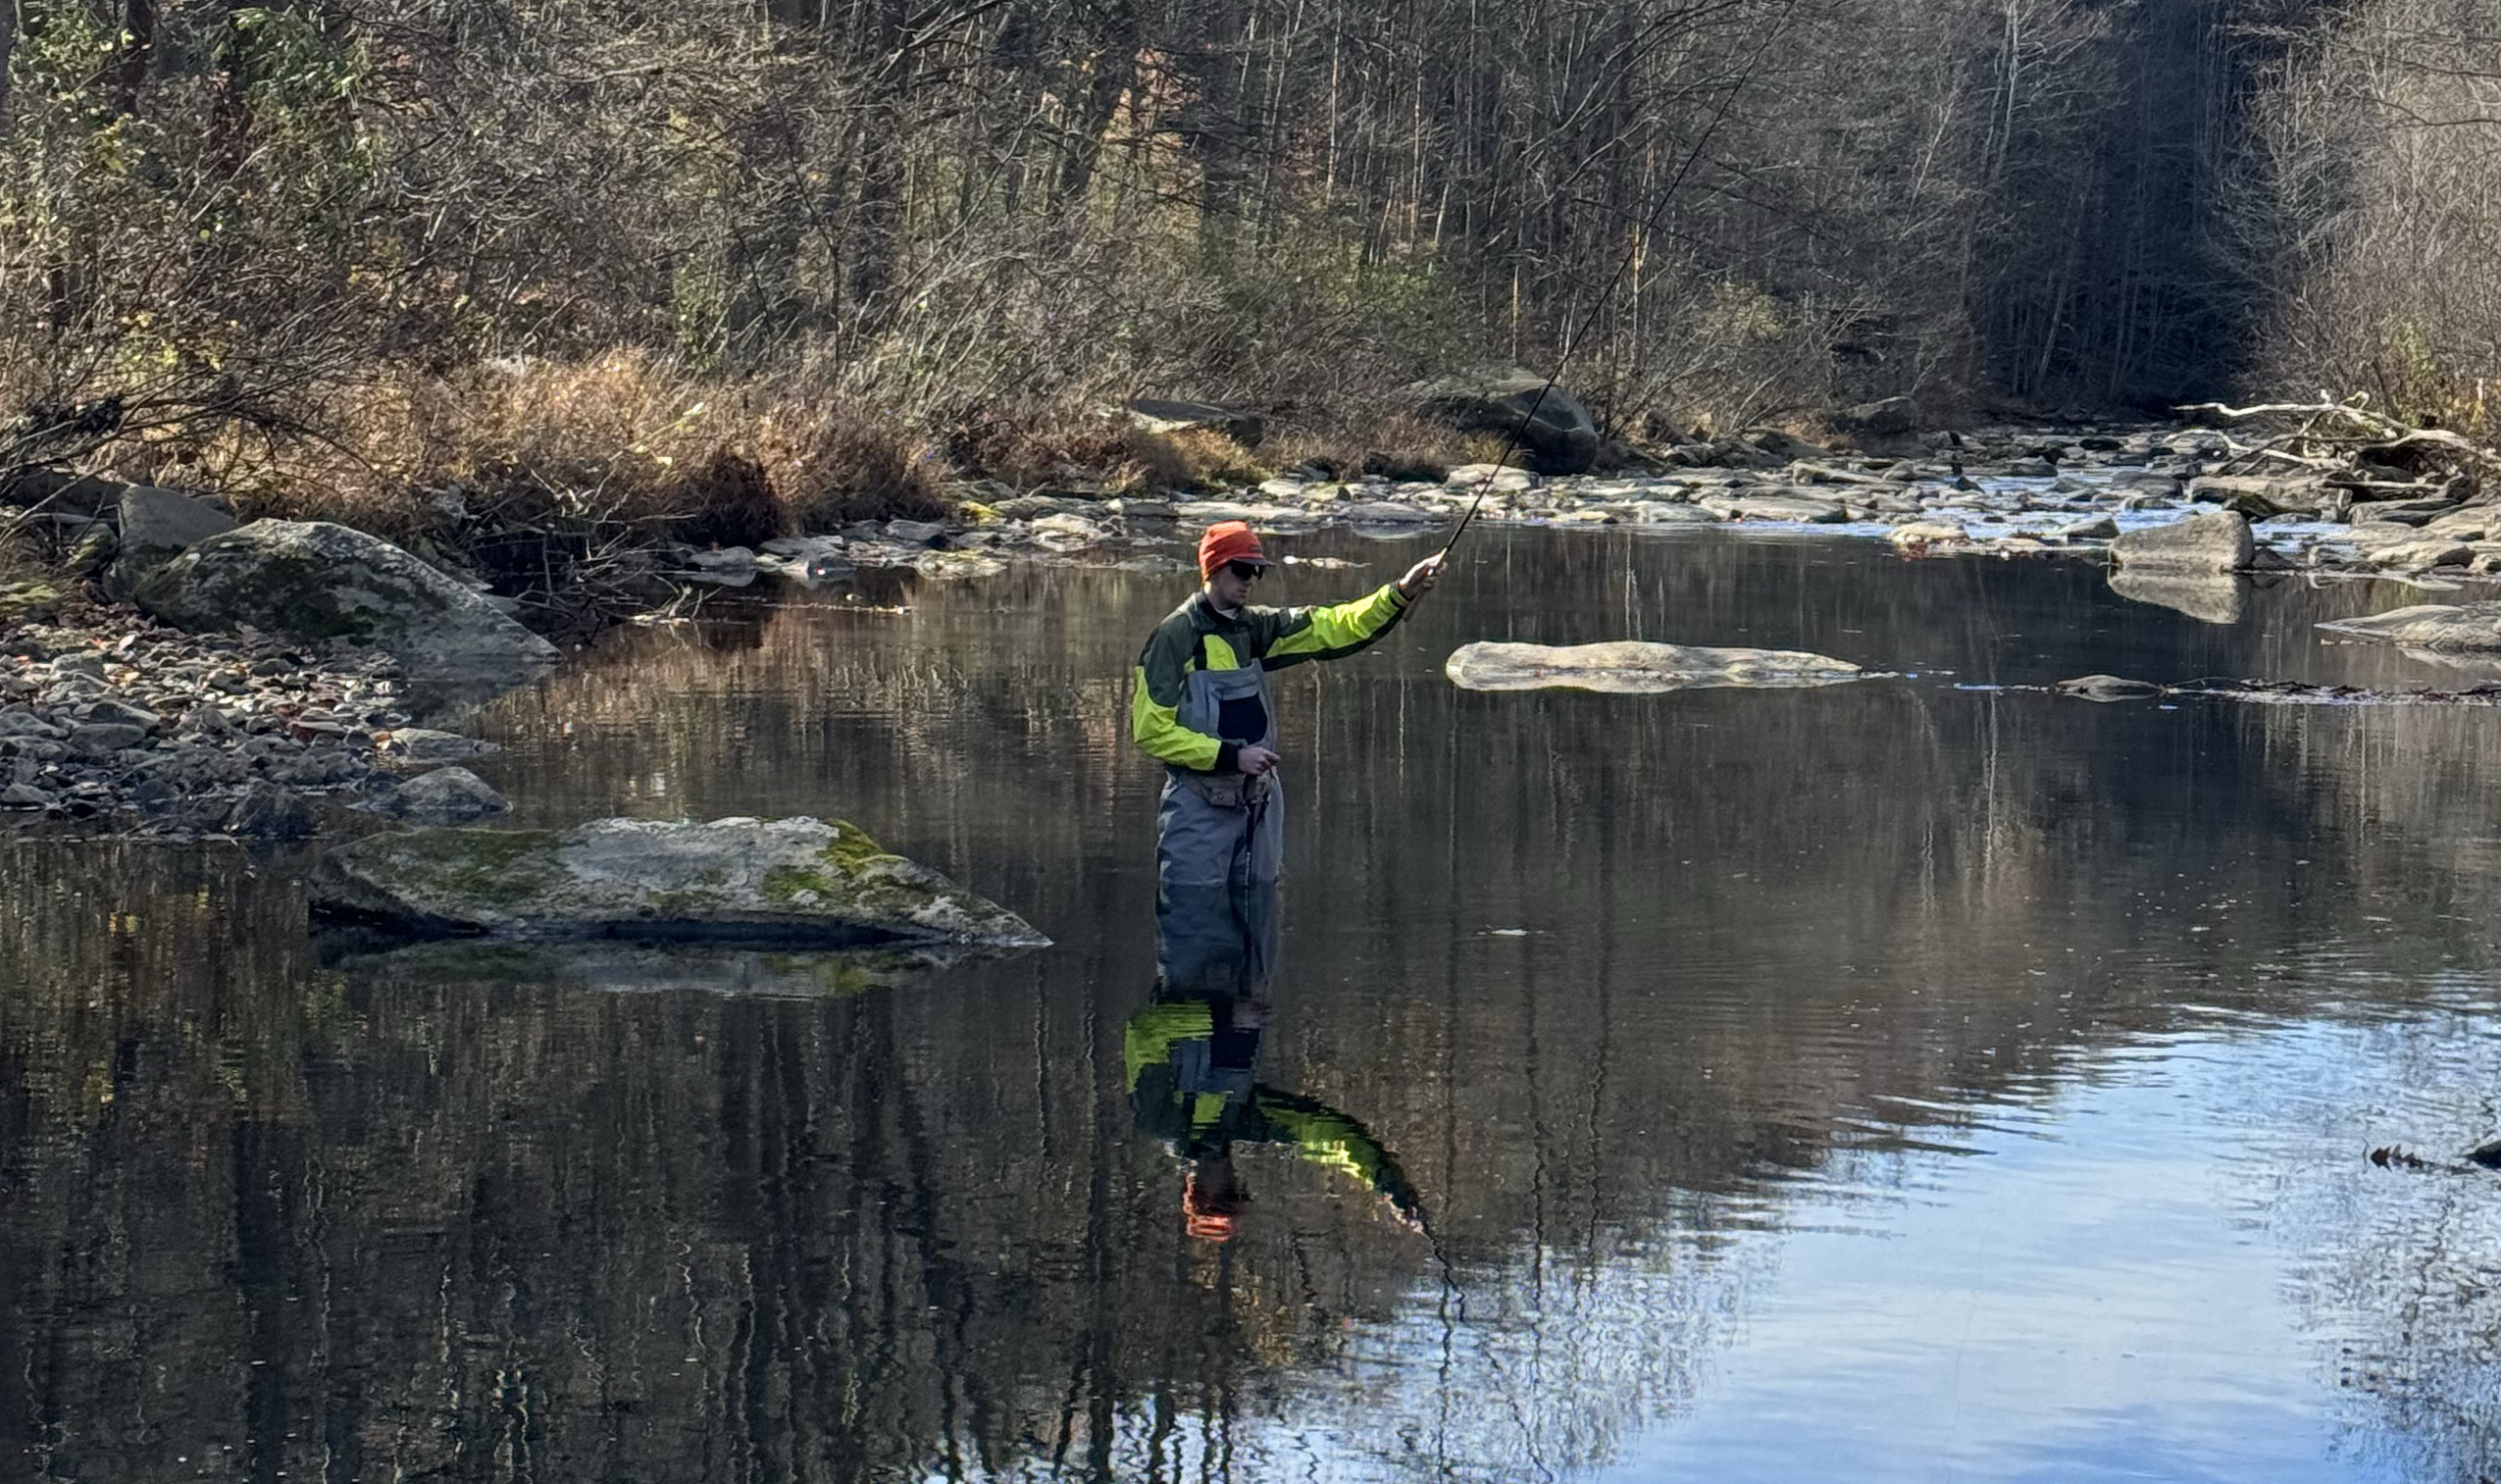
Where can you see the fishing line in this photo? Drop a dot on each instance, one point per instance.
(1648, 223)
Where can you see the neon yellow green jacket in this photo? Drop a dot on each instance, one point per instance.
(1270, 638)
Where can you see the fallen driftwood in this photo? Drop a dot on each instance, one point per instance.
(1630, 667)
(2346, 444)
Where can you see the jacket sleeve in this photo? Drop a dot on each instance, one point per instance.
(1155, 701)
(1333, 633)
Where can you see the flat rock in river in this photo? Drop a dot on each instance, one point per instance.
(2429, 626)
(1632, 667)
(790, 881)
(1774, 507)
(309, 582)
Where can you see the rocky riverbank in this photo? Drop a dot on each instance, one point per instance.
(284, 696)
(110, 718)
(2002, 492)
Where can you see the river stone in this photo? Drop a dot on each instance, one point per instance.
(426, 745)
(443, 796)
(309, 582)
(22, 720)
(1549, 424)
(2417, 555)
(2429, 626)
(267, 811)
(1926, 533)
(2214, 542)
(104, 738)
(1503, 478)
(122, 714)
(158, 525)
(2108, 687)
(1631, 667)
(1386, 513)
(1667, 513)
(1775, 507)
(789, 881)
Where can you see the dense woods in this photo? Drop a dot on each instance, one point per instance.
(311, 243)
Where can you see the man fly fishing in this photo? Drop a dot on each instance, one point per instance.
(1202, 707)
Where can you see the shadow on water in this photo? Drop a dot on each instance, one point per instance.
(1655, 999)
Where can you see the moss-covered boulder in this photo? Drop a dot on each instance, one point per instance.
(785, 881)
(1630, 667)
(313, 581)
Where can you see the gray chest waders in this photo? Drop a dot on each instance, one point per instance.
(1221, 829)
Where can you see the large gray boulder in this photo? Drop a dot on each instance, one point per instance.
(311, 581)
(156, 527)
(1560, 438)
(1631, 667)
(782, 881)
(2429, 626)
(2216, 542)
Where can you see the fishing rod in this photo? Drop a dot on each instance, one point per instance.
(1649, 223)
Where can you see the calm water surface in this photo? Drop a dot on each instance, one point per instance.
(1906, 1081)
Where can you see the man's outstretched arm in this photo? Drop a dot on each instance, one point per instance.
(1334, 633)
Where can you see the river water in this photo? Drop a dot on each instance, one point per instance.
(1923, 1079)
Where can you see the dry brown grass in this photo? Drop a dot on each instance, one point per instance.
(833, 465)
(627, 439)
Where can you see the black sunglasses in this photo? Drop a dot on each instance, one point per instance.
(1246, 571)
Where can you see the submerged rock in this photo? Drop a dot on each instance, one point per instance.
(1631, 667)
(312, 582)
(2429, 626)
(2108, 688)
(796, 881)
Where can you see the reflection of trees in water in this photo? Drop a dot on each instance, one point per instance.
(2395, 1265)
(495, 1228)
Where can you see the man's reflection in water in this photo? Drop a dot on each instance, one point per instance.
(1191, 1057)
